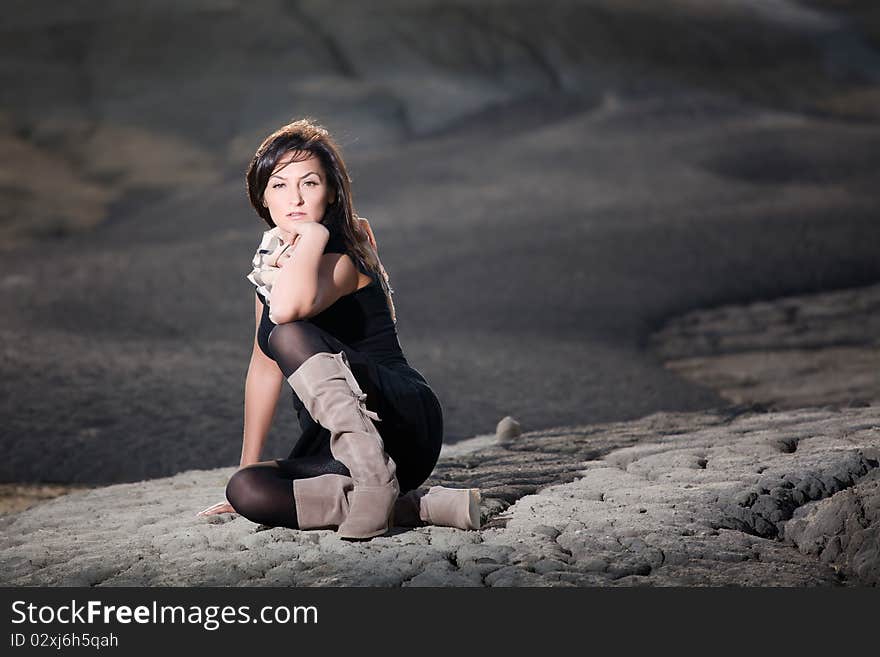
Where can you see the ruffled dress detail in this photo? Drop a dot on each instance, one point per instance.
(265, 262)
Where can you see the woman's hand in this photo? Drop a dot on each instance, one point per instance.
(303, 227)
(280, 255)
(220, 507)
(284, 252)
(365, 227)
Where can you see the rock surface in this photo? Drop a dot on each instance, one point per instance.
(671, 499)
(621, 181)
(786, 353)
(735, 496)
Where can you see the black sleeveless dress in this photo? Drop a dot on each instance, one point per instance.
(411, 417)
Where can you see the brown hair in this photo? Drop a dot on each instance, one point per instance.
(311, 138)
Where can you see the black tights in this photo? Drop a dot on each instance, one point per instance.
(263, 493)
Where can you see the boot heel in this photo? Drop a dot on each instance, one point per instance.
(474, 509)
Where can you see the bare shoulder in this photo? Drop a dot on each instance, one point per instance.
(338, 271)
(338, 276)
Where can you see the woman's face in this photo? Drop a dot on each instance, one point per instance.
(297, 191)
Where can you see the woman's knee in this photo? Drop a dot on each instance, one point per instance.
(242, 490)
(294, 342)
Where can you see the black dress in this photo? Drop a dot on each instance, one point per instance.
(411, 418)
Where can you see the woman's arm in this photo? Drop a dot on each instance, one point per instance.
(296, 285)
(262, 389)
(308, 281)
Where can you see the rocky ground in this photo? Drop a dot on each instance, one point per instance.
(646, 225)
(741, 495)
(788, 353)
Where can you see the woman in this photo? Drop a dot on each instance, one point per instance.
(326, 324)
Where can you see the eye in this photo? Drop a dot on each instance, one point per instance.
(310, 182)
(277, 185)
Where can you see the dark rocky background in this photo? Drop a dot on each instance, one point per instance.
(548, 185)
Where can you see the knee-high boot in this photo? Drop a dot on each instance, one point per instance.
(330, 392)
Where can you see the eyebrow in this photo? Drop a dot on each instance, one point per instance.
(275, 175)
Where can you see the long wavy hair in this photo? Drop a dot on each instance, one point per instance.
(311, 138)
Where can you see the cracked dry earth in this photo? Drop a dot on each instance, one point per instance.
(756, 494)
(783, 498)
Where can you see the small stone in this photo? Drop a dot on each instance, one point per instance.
(507, 428)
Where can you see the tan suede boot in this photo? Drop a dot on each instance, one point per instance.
(330, 392)
(321, 502)
(443, 507)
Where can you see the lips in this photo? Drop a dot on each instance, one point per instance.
(296, 215)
